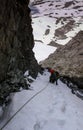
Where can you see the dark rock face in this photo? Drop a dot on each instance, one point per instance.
(74, 80)
(16, 42)
(16, 39)
(75, 84)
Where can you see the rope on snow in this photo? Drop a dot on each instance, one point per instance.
(23, 107)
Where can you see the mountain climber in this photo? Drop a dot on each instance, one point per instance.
(54, 76)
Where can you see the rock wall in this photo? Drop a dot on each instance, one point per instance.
(68, 59)
(16, 44)
(16, 39)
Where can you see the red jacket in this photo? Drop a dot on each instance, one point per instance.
(51, 71)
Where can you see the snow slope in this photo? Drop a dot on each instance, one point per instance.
(54, 108)
(50, 15)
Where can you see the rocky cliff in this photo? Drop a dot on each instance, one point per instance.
(68, 59)
(16, 43)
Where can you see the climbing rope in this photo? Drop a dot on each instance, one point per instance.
(23, 107)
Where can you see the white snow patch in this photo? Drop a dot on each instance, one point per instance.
(42, 51)
(26, 73)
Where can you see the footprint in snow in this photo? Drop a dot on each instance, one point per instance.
(37, 126)
(63, 107)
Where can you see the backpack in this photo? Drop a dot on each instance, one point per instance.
(54, 76)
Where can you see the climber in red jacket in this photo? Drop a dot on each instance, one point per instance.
(54, 76)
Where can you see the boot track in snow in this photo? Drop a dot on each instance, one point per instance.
(24, 106)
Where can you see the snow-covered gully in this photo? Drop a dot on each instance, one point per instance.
(23, 106)
(47, 106)
(54, 108)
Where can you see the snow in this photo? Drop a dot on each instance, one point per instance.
(44, 17)
(55, 107)
(49, 107)
(42, 51)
